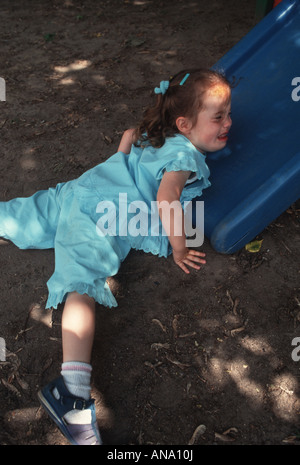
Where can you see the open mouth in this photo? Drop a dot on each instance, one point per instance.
(223, 137)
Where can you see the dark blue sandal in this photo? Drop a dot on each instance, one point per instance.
(57, 408)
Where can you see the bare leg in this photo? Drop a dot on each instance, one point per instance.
(79, 424)
(78, 327)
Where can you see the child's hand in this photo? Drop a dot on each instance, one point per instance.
(188, 257)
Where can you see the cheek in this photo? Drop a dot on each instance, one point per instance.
(212, 133)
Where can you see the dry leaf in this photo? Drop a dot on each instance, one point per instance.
(175, 325)
(198, 432)
(159, 323)
(237, 330)
(177, 363)
(225, 436)
(10, 387)
(254, 246)
(158, 345)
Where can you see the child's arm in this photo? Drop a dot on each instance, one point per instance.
(172, 218)
(126, 141)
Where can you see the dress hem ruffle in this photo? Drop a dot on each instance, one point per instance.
(102, 296)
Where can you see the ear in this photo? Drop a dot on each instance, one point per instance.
(183, 124)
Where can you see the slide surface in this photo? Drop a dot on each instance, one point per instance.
(257, 176)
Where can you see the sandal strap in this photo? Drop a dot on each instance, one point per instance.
(87, 434)
(66, 400)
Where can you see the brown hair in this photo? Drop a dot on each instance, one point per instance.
(186, 100)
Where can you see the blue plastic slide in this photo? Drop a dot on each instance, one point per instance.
(257, 176)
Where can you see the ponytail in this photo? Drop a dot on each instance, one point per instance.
(182, 97)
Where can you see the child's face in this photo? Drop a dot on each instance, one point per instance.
(210, 132)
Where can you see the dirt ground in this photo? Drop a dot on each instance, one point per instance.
(210, 349)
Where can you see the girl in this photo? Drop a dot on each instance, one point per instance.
(161, 161)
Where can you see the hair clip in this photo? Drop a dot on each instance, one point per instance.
(163, 87)
(184, 79)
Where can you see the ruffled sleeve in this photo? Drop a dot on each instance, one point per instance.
(181, 155)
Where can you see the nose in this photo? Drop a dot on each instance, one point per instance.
(227, 122)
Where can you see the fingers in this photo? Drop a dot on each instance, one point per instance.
(192, 259)
(183, 267)
(195, 256)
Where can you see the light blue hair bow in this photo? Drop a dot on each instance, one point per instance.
(163, 87)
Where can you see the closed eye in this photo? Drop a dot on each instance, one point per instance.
(221, 116)
(218, 118)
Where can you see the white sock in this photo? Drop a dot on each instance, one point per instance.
(77, 376)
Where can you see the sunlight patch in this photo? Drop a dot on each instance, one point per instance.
(61, 72)
(282, 393)
(77, 65)
(41, 315)
(256, 345)
(241, 375)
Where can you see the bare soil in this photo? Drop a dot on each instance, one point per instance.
(213, 348)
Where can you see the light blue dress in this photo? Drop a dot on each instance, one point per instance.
(69, 217)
